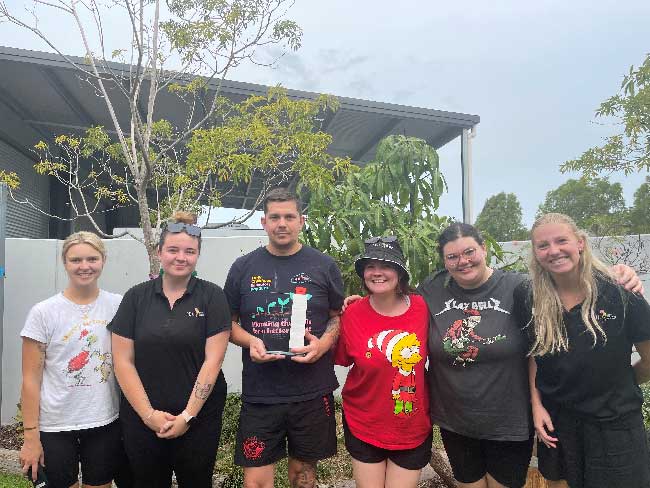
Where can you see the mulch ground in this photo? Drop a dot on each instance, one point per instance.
(10, 438)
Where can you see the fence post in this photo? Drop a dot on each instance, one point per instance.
(3, 234)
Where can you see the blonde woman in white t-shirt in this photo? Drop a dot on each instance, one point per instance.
(70, 398)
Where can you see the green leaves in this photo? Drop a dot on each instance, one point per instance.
(501, 218)
(273, 136)
(595, 204)
(397, 193)
(11, 179)
(629, 150)
(228, 28)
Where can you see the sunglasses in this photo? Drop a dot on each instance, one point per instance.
(191, 230)
(375, 240)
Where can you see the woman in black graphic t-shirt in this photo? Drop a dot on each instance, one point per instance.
(169, 339)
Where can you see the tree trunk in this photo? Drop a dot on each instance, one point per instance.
(148, 233)
(441, 466)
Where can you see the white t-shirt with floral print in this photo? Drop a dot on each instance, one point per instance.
(78, 390)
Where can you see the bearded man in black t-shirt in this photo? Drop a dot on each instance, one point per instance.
(286, 398)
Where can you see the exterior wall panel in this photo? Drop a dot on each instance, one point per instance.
(23, 220)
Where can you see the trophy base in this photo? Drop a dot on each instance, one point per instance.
(285, 353)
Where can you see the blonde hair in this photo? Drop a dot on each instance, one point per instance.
(548, 322)
(83, 237)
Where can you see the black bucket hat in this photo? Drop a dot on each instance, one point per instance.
(382, 249)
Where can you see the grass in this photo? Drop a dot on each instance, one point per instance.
(645, 408)
(13, 481)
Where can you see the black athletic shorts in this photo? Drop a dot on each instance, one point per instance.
(471, 459)
(309, 427)
(597, 454)
(414, 458)
(99, 450)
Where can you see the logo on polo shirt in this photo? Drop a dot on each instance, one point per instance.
(604, 316)
(195, 313)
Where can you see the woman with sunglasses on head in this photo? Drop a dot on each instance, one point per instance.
(169, 339)
(69, 395)
(584, 390)
(385, 399)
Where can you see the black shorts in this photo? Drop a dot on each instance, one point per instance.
(597, 454)
(471, 459)
(99, 450)
(414, 458)
(264, 429)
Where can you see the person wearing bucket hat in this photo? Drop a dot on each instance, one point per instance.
(385, 249)
(385, 400)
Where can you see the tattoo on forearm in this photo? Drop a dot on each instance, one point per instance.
(333, 326)
(201, 391)
(306, 477)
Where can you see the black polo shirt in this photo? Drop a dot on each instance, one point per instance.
(595, 381)
(170, 343)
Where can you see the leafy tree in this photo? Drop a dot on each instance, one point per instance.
(205, 39)
(629, 150)
(501, 218)
(396, 194)
(639, 214)
(595, 204)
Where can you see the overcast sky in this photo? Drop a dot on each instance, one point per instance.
(533, 71)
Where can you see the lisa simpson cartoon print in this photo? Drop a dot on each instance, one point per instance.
(402, 350)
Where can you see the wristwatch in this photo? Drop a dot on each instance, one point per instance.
(187, 417)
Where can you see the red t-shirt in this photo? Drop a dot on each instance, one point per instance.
(385, 396)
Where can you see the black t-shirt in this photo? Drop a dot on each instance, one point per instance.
(259, 289)
(595, 381)
(478, 374)
(170, 343)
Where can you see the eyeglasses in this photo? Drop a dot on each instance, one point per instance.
(375, 240)
(191, 230)
(454, 259)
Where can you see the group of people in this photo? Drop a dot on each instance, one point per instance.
(489, 356)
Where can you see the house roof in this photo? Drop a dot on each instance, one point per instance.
(42, 95)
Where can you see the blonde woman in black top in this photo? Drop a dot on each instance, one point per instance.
(584, 391)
